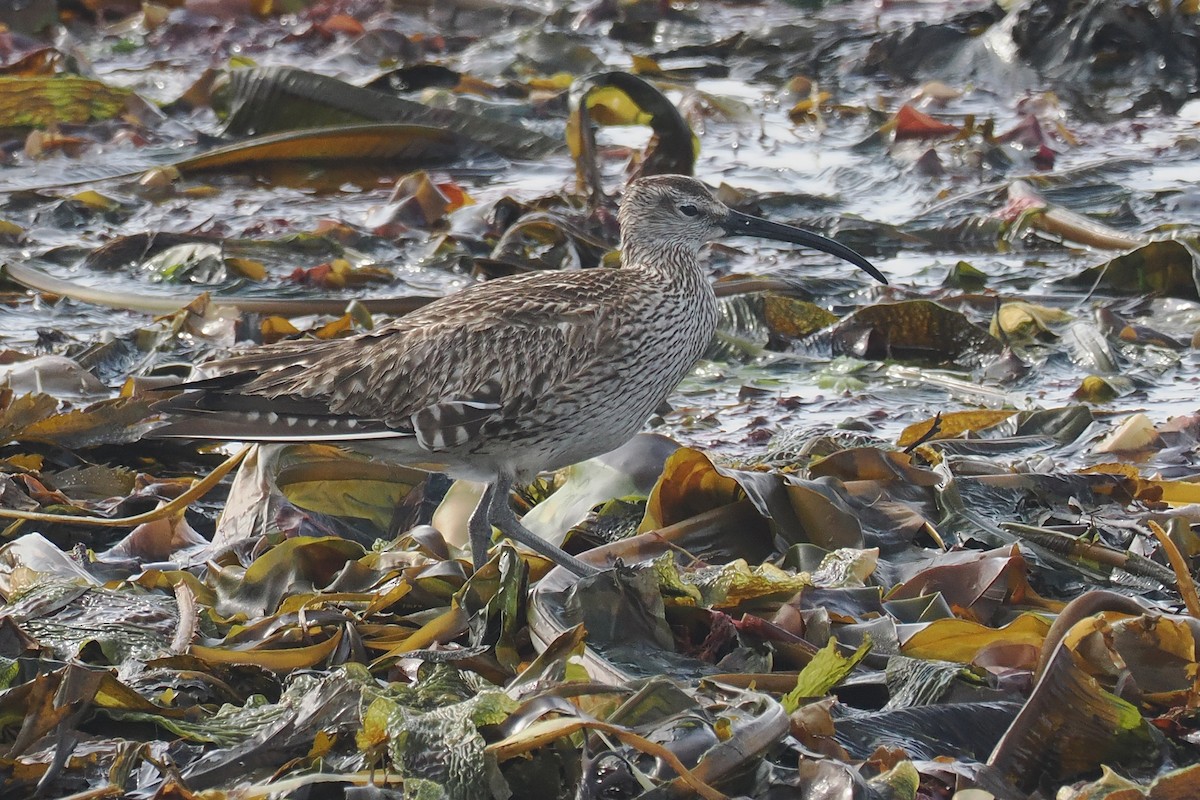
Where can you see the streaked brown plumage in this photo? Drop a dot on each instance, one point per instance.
(507, 378)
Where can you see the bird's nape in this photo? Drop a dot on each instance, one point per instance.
(739, 224)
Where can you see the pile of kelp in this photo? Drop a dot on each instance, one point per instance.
(843, 614)
(828, 589)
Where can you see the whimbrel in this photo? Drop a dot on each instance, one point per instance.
(507, 378)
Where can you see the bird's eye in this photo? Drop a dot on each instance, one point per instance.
(688, 210)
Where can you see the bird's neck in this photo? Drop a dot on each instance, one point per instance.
(670, 264)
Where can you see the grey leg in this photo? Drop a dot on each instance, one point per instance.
(479, 527)
(501, 515)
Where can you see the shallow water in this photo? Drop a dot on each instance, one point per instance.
(1135, 174)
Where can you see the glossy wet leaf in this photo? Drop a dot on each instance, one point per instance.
(283, 660)
(965, 276)
(872, 464)
(915, 682)
(824, 517)
(545, 732)
(32, 562)
(314, 478)
(1133, 434)
(553, 663)
(339, 273)
(51, 374)
(419, 202)
(52, 698)
(1073, 721)
(269, 100)
(275, 328)
(445, 627)
(962, 640)
(397, 145)
(1097, 389)
(953, 730)
(1160, 657)
(622, 98)
(17, 413)
(94, 624)
(1177, 783)
(971, 582)
(537, 735)
(912, 124)
(911, 329)
(442, 749)
(1027, 209)
(96, 201)
(260, 729)
(902, 780)
(809, 107)
(108, 422)
(629, 472)
(731, 584)
(348, 488)
(689, 485)
(1024, 319)
(303, 563)
(246, 268)
(792, 318)
(57, 100)
(948, 426)
(1167, 267)
(827, 669)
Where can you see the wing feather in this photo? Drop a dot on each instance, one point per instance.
(453, 371)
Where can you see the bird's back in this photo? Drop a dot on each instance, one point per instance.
(544, 369)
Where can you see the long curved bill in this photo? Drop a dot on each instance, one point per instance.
(739, 224)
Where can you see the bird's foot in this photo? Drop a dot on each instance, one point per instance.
(493, 509)
(479, 528)
(513, 529)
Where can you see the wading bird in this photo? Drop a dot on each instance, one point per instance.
(504, 379)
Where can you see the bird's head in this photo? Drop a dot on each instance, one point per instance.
(663, 214)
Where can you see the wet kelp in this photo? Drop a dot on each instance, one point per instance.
(899, 542)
